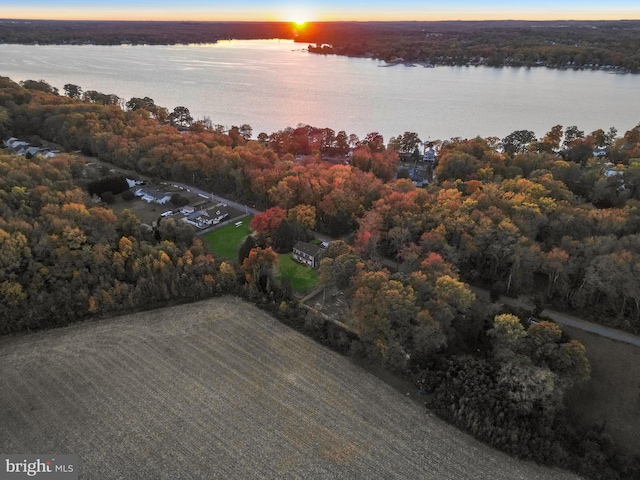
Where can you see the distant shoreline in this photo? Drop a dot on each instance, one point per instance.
(564, 45)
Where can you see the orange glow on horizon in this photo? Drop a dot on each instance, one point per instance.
(302, 16)
(298, 15)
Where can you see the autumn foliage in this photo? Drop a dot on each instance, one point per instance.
(269, 221)
(61, 259)
(519, 216)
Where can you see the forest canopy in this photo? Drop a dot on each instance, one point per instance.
(540, 216)
(556, 218)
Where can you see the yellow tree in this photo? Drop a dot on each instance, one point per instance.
(379, 303)
(454, 292)
(305, 215)
(448, 298)
(508, 332)
(14, 248)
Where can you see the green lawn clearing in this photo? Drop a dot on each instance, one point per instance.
(301, 277)
(225, 242)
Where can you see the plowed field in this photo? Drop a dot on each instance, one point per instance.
(218, 389)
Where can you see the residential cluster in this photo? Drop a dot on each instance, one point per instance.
(199, 215)
(25, 148)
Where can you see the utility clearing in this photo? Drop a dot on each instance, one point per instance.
(219, 389)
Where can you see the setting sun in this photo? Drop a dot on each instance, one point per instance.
(298, 15)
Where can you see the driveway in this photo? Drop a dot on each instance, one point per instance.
(564, 319)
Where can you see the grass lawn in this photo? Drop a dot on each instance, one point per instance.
(225, 242)
(301, 277)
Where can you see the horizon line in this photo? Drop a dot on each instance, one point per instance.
(2, 19)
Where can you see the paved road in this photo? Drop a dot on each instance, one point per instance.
(241, 207)
(607, 332)
(216, 198)
(248, 210)
(522, 302)
(568, 320)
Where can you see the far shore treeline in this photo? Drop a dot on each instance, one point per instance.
(555, 218)
(610, 45)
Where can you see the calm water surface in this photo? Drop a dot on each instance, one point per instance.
(272, 84)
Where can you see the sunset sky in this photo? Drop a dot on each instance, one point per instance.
(316, 10)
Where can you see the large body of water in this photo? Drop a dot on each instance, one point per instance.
(272, 84)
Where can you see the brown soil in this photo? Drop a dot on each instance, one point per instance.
(218, 389)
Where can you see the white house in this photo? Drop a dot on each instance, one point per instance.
(152, 196)
(600, 152)
(33, 151)
(429, 156)
(218, 214)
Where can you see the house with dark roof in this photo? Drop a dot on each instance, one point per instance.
(199, 218)
(307, 253)
(218, 214)
(205, 218)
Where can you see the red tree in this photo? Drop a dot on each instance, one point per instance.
(269, 221)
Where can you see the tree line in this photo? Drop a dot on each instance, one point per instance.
(609, 45)
(97, 32)
(555, 44)
(64, 259)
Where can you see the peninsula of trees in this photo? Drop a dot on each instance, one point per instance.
(611, 45)
(546, 216)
